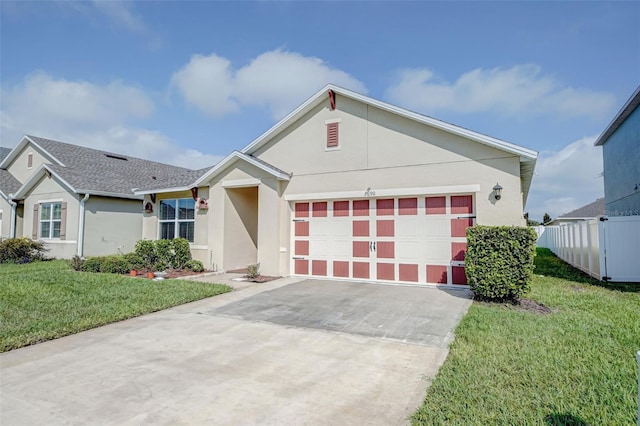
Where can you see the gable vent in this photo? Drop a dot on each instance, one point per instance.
(117, 157)
(332, 135)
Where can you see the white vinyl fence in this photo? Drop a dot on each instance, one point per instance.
(607, 248)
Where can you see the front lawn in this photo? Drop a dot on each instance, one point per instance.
(45, 300)
(574, 366)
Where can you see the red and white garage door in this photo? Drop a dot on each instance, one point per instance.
(400, 239)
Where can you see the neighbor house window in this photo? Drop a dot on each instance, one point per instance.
(50, 220)
(30, 160)
(177, 218)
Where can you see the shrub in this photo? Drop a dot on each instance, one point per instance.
(182, 253)
(134, 261)
(164, 252)
(115, 265)
(21, 250)
(253, 270)
(195, 265)
(76, 263)
(92, 264)
(147, 252)
(499, 261)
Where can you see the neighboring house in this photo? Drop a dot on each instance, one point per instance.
(349, 187)
(587, 212)
(621, 156)
(77, 200)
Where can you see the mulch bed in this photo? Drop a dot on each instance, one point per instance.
(173, 273)
(533, 306)
(258, 279)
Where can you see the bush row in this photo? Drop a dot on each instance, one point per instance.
(149, 255)
(21, 250)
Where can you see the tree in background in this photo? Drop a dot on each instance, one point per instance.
(546, 219)
(530, 222)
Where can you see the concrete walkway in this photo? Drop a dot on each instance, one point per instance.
(224, 361)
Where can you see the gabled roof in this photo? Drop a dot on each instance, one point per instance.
(630, 106)
(207, 174)
(527, 157)
(8, 183)
(87, 170)
(591, 210)
(4, 152)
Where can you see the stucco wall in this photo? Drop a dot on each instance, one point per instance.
(5, 214)
(111, 224)
(621, 154)
(18, 167)
(49, 190)
(379, 150)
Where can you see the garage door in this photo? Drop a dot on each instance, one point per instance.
(400, 239)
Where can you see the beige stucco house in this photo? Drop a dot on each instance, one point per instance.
(76, 200)
(350, 187)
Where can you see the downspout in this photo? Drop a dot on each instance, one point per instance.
(14, 206)
(81, 226)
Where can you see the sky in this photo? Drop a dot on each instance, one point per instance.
(187, 82)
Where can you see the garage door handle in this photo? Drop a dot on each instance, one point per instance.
(374, 246)
(370, 246)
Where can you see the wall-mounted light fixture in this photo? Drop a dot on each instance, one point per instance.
(497, 191)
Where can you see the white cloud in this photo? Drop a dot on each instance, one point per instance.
(516, 91)
(566, 179)
(87, 114)
(276, 80)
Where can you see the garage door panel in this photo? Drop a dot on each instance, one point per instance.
(408, 228)
(361, 248)
(342, 249)
(407, 250)
(319, 248)
(437, 250)
(438, 227)
(319, 228)
(340, 228)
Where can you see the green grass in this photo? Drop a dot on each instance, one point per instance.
(574, 366)
(45, 300)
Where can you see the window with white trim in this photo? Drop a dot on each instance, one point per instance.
(177, 218)
(50, 220)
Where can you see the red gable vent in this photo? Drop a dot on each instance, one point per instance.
(332, 135)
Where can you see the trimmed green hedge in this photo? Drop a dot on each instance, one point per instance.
(499, 261)
(21, 250)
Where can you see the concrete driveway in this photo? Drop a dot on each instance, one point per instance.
(284, 352)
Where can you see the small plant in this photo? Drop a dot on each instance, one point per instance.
(253, 270)
(21, 250)
(134, 261)
(92, 264)
(195, 265)
(147, 252)
(76, 263)
(181, 253)
(164, 252)
(115, 265)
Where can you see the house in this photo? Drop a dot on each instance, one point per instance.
(587, 212)
(350, 187)
(620, 144)
(77, 200)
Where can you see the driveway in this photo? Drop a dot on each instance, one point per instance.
(284, 352)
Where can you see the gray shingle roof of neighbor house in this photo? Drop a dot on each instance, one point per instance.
(593, 209)
(8, 183)
(89, 170)
(3, 153)
(632, 103)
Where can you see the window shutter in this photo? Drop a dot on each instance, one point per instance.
(36, 221)
(332, 135)
(63, 222)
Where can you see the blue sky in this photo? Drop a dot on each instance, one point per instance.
(187, 82)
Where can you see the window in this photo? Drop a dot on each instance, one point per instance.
(50, 220)
(30, 160)
(177, 219)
